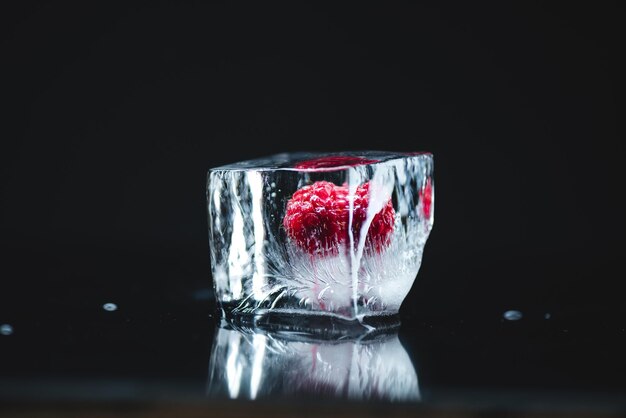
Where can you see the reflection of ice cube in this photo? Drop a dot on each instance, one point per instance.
(258, 268)
(251, 364)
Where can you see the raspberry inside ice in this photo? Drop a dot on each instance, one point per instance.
(318, 216)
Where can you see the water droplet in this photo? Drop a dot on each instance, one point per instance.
(273, 184)
(273, 194)
(6, 329)
(512, 315)
(548, 315)
(110, 307)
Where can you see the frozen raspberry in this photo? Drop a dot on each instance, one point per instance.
(317, 218)
(426, 196)
(333, 161)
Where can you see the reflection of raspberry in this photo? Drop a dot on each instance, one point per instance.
(317, 218)
(333, 161)
(426, 196)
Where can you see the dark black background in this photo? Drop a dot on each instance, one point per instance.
(113, 113)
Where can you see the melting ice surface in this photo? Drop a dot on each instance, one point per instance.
(247, 364)
(257, 268)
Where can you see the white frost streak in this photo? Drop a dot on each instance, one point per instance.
(255, 181)
(238, 255)
(217, 205)
(380, 189)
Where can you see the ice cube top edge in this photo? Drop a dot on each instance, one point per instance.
(293, 161)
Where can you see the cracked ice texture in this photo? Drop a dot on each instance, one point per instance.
(258, 267)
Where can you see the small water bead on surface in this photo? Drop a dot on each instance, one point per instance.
(6, 329)
(109, 307)
(548, 315)
(512, 315)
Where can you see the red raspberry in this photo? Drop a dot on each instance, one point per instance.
(426, 196)
(333, 161)
(317, 218)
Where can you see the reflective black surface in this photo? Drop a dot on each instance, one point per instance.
(73, 347)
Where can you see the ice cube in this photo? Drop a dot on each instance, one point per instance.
(337, 234)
